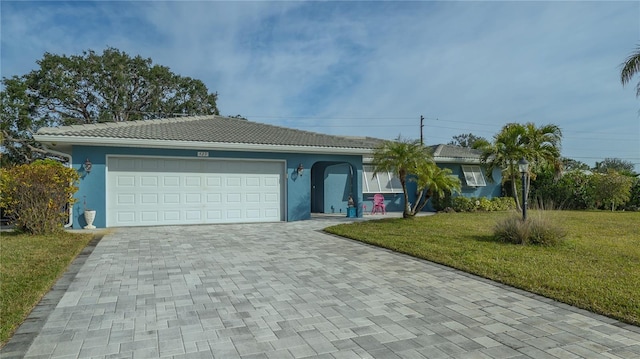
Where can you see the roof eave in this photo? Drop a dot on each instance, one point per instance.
(456, 159)
(441, 159)
(64, 144)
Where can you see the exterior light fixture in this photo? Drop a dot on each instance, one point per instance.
(87, 166)
(523, 167)
(300, 169)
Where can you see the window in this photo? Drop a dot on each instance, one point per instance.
(382, 182)
(473, 176)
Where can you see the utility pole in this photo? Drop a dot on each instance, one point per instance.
(421, 127)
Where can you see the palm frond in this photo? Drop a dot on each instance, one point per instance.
(630, 67)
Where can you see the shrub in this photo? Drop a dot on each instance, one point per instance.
(463, 204)
(34, 196)
(612, 189)
(634, 198)
(504, 203)
(442, 202)
(484, 204)
(535, 230)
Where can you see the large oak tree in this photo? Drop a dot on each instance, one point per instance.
(92, 88)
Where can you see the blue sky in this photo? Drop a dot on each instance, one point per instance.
(372, 68)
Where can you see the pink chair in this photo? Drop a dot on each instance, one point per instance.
(378, 204)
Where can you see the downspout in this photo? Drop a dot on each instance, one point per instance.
(69, 223)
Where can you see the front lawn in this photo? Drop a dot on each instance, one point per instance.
(597, 268)
(29, 266)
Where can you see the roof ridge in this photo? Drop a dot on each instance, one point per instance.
(325, 135)
(438, 149)
(89, 126)
(287, 128)
(206, 129)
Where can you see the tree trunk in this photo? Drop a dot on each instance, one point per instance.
(414, 208)
(514, 188)
(406, 213)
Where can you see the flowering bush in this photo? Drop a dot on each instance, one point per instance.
(34, 196)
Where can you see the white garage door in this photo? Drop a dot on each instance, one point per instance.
(144, 191)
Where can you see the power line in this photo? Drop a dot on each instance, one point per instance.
(437, 119)
(465, 130)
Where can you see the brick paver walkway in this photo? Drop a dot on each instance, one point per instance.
(286, 290)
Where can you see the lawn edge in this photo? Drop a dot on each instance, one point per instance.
(541, 297)
(22, 338)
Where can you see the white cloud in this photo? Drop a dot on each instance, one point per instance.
(373, 66)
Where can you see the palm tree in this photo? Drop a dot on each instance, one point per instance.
(542, 145)
(431, 180)
(402, 157)
(539, 145)
(504, 153)
(630, 68)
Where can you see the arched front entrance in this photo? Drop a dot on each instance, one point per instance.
(331, 185)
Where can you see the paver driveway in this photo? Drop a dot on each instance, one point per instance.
(286, 290)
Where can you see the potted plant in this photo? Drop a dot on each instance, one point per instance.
(89, 215)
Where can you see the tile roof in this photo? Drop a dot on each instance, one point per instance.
(227, 131)
(209, 129)
(452, 151)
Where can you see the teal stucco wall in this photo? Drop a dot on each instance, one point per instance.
(394, 202)
(298, 189)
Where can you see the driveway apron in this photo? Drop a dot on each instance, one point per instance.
(287, 290)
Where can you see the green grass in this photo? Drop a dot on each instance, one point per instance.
(597, 266)
(29, 266)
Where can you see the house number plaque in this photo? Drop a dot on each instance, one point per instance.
(203, 154)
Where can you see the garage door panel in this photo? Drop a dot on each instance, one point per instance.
(192, 181)
(171, 198)
(149, 198)
(190, 166)
(271, 197)
(191, 198)
(126, 217)
(271, 182)
(271, 213)
(125, 181)
(126, 199)
(213, 167)
(214, 215)
(214, 181)
(214, 198)
(193, 215)
(150, 165)
(234, 214)
(171, 181)
(252, 181)
(126, 164)
(171, 215)
(233, 181)
(171, 166)
(152, 191)
(149, 216)
(252, 198)
(148, 181)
